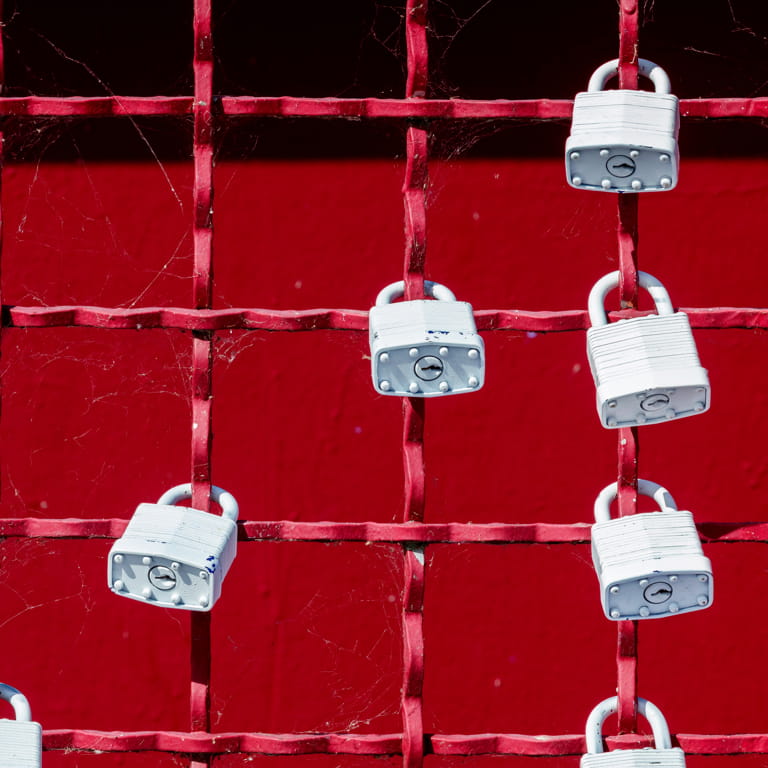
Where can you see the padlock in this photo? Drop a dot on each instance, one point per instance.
(661, 755)
(624, 140)
(175, 557)
(646, 369)
(424, 348)
(650, 564)
(21, 740)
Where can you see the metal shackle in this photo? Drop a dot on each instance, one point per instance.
(18, 701)
(596, 301)
(227, 502)
(646, 68)
(396, 290)
(644, 487)
(657, 721)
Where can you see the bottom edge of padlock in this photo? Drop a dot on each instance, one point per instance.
(644, 419)
(180, 606)
(650, 610)
(420, 393)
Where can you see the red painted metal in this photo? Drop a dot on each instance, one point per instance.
(274, 320)
(371, 108)
(628, 439)
(202, 347)
(414, 409)
(395, 533)
(380, 744)
(412, 533)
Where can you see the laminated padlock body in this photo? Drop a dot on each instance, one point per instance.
(21, 740)
(425, 348)
(647, 757)
(173, 557)
(651, 564)
(663, 755)
(646, 369)
(624, 140)
(21, 744)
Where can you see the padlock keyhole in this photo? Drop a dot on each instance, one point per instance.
(428, 368)
(620, 166)
(658, 592)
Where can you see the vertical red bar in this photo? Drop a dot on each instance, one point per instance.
(628, 445)
(202, 345)
(414, 198)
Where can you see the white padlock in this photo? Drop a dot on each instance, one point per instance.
(651, 564)
(175, 557)
(662, 755)
(646, 369)
(624, 140)
(21, 740)
(424, 348)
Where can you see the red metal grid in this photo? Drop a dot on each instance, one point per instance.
(412, 533)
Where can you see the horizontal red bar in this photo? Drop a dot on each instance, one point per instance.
(379, 744)
(423, 533)
(96, 106)
(538, 746)
(338, 319)
(222, 743)
(290, 106)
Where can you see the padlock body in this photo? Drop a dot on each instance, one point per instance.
(651, 565)
(21, 744)
(635, 758)
(623, 141)
(646, 370)
(173, 557)
(425, 348)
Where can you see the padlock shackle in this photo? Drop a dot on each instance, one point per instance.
(644, 487)
(646, 68)
(227, 502)
(654, 716)
(596, 301)
(18, 701)
(396, 290)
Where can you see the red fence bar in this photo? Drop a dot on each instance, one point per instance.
(202, 346)
(414, 409)
(275, 320)
(393, 533)
(628, 439)
(381, 744)
(291, 106)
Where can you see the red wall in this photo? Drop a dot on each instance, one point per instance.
(306, 636)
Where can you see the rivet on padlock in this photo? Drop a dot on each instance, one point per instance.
(21, 740)
(651, 564)
(624, 140)
(662, 755)
(646, 369)
(175, 557)
(424, 348)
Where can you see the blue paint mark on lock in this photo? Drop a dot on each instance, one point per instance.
(211, 560)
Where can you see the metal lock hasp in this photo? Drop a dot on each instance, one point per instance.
(175, 557)
(651, 564)
(21, 740)
(624, 140)
(662, 755)
(424, 348)
(646, 369)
